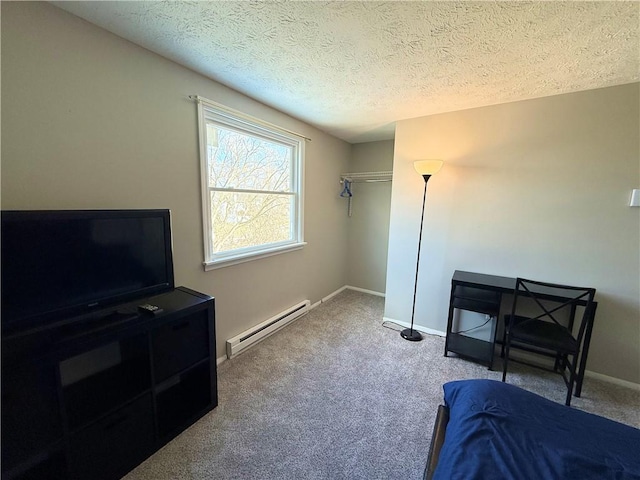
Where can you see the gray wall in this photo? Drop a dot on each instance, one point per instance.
(537, 188)
(90, 120)
(369, 223)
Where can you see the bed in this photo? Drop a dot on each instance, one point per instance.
(489, 429)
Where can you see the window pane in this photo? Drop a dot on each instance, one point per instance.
(241, 161)
(241, 220)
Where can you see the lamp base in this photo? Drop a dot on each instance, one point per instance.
(411, 335)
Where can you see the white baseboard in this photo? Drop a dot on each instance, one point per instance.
(613, 380)
(548, 363)
(364, 290)
(331, 295)
(420, 328)
(347, 287)
(219, 360)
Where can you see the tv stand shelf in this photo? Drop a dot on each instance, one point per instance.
(93, 396)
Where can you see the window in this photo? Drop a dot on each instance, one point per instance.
(251, 187)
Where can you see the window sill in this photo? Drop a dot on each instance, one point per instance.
(247, 257)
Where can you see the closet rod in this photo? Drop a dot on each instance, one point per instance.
(356, 177)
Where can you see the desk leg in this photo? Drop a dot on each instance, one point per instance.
(494, 333)
(493, 342)
(449, 319)
(585, 351)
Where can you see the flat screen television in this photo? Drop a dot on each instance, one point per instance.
(66, 263)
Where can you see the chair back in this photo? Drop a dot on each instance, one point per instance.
(551, 300)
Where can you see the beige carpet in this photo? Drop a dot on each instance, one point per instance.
(336, 395)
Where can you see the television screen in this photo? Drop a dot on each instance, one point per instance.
(56, 264)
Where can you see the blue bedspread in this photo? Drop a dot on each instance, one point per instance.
(500, 431)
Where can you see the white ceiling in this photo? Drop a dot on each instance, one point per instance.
(354, 68)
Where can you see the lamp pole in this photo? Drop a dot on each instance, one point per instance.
(426, 168)
(409, 333)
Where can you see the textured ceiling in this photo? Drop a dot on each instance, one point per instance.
(354, 68)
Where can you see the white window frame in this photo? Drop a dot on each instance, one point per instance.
(225, 116)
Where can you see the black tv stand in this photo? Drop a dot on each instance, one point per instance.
(94, 396)
(100, 321)
(116, 316)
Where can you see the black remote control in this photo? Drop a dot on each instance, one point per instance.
(150, 309)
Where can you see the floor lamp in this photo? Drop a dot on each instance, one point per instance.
(426, 168)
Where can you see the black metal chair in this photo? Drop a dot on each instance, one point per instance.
(547, 328)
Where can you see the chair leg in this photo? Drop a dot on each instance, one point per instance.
(567, 401)
(572, 380)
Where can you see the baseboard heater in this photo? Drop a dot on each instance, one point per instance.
(250, 337)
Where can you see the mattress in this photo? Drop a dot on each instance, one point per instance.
(497, 430)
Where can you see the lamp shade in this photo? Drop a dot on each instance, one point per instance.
(427, 167)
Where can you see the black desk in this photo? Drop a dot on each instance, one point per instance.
(482, 293)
